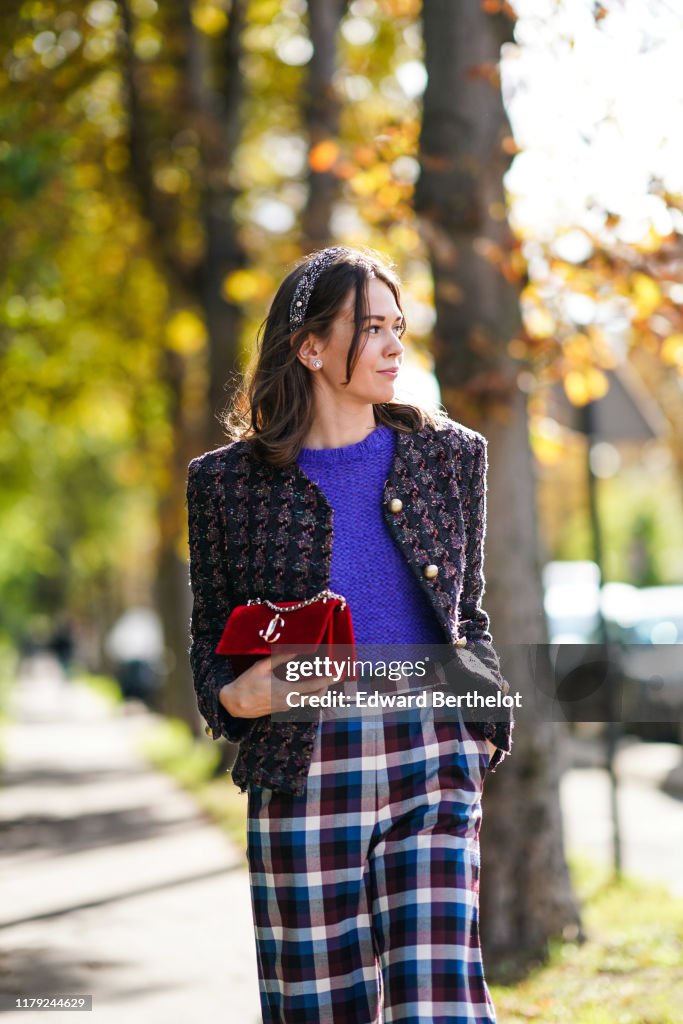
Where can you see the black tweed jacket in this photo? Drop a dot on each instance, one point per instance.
(256, 530)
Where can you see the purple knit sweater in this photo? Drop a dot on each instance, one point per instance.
(386, 602)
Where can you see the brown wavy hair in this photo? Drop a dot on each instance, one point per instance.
(273, 407)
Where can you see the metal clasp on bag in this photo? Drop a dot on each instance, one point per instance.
(277, 621)
(274, 623)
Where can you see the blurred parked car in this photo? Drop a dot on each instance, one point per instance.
(644, 633)
(572, 596)
(580, 662)
(651, 641)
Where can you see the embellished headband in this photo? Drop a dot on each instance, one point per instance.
(306, 284)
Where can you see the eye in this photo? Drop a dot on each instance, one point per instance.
(398, 329)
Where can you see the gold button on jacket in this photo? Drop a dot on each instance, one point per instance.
(430, 571)
(395, 505)
(461, 641)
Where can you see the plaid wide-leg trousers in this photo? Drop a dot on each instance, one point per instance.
(365, 889)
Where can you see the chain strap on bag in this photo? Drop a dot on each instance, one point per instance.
(315, 625)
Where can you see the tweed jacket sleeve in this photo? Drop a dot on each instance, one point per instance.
(474, 620)
(211, 598)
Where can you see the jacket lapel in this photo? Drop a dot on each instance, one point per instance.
(429, 529)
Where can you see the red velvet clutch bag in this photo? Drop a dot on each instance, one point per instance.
(315, 627)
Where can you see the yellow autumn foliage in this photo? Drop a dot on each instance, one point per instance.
(185, 333)
(672, 350)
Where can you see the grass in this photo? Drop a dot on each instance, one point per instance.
(170, 746)
(8, 661)
(629, 971)
(105, 686)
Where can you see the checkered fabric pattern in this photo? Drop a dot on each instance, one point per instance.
(365, 888)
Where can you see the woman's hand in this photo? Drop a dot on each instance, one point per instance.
(257, 692)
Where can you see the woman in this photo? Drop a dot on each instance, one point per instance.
(363, 837)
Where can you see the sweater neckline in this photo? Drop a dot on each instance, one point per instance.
(377, 440)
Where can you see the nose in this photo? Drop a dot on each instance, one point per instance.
(395, 346)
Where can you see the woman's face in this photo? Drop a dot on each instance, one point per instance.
(381, 349)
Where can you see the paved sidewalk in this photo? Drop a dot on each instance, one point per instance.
(112, 882)
(650, 804)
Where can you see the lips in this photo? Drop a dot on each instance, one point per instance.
(391, 372)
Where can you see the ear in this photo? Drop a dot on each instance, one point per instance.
(310, 347)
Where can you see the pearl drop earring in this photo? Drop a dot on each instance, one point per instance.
(317, 363)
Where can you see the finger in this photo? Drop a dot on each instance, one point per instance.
(274, 661)
(279, 656)
(304, 685)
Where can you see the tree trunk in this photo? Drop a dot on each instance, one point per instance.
(526, 895)
(213, 112)
(321, 107)
(209, 102)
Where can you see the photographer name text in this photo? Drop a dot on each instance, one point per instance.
(421, 699)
